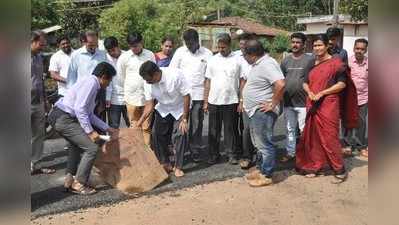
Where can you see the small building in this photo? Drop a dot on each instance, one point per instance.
(209, 31)
(352, 30)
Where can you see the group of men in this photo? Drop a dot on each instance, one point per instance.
(243, 90)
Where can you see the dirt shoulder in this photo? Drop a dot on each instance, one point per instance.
(295, 200)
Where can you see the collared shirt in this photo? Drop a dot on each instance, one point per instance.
(245, 67)
(59, 62)
(83, 64)
(36, 76)
(115, 89)
(224, 74)
(80, 101)
(128, 67)
(259, 87)
(169, 92)
(194, 67)
(360, 75)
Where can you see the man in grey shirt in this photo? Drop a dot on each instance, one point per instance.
(38, 43)
(295, 67)
(261, 96)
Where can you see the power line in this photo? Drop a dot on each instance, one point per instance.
(85, 8)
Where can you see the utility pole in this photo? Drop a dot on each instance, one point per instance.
(218, 12)
(336, 14)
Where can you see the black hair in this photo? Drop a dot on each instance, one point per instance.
(86, 34)
(110, 43)
(224, 38)
(63, 37)
(167, 38)
(299, 35)
(82, 37)
(190, 35)
(254, 47)
(134, 38)
(333, 32)
(105, 69)
(148, 69)
(246, 36)
(362, 40)
(321, 37)
(36, 34)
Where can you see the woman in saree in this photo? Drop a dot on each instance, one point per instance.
(330, 95)
(164, 57)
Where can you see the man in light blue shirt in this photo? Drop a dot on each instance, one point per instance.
(74, 119)
(83, 62)
(85, 59)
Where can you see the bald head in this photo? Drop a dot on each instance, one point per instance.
(253, 51)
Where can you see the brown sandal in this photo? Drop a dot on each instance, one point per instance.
(340, 178)
(79, 188)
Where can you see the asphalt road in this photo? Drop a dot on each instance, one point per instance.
(48, 197)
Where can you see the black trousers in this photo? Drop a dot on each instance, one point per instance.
(228, 116)
(196, 125)
(164, 130)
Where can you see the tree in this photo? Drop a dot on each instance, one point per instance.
(358, 9)
(43, 14)
(152, 18)
(74, 19)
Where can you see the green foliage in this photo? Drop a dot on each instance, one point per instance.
(358, 9)
(76, 19)
(152, 18)
(43, 14)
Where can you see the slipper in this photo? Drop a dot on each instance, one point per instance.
(340, 178)
(310, 175)
(43, 171)
(347, 151)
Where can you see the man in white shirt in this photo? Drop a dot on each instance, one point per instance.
(192, 60)
(221, 99)
(128, 67)
(115, 102)
(171, 89)
(248, 150)
(59, 64)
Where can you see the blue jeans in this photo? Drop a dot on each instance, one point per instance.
(114, 116)
(294, 116)
(261, 128)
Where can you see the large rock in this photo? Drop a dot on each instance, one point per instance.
(128, 164)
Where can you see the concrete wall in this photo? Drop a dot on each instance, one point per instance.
(359, 30)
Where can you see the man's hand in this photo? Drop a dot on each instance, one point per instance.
(240, 108)
(266, 107)
(93, 136)
(205, 107)
(114, 133)
(107, 104)
(183, 126)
